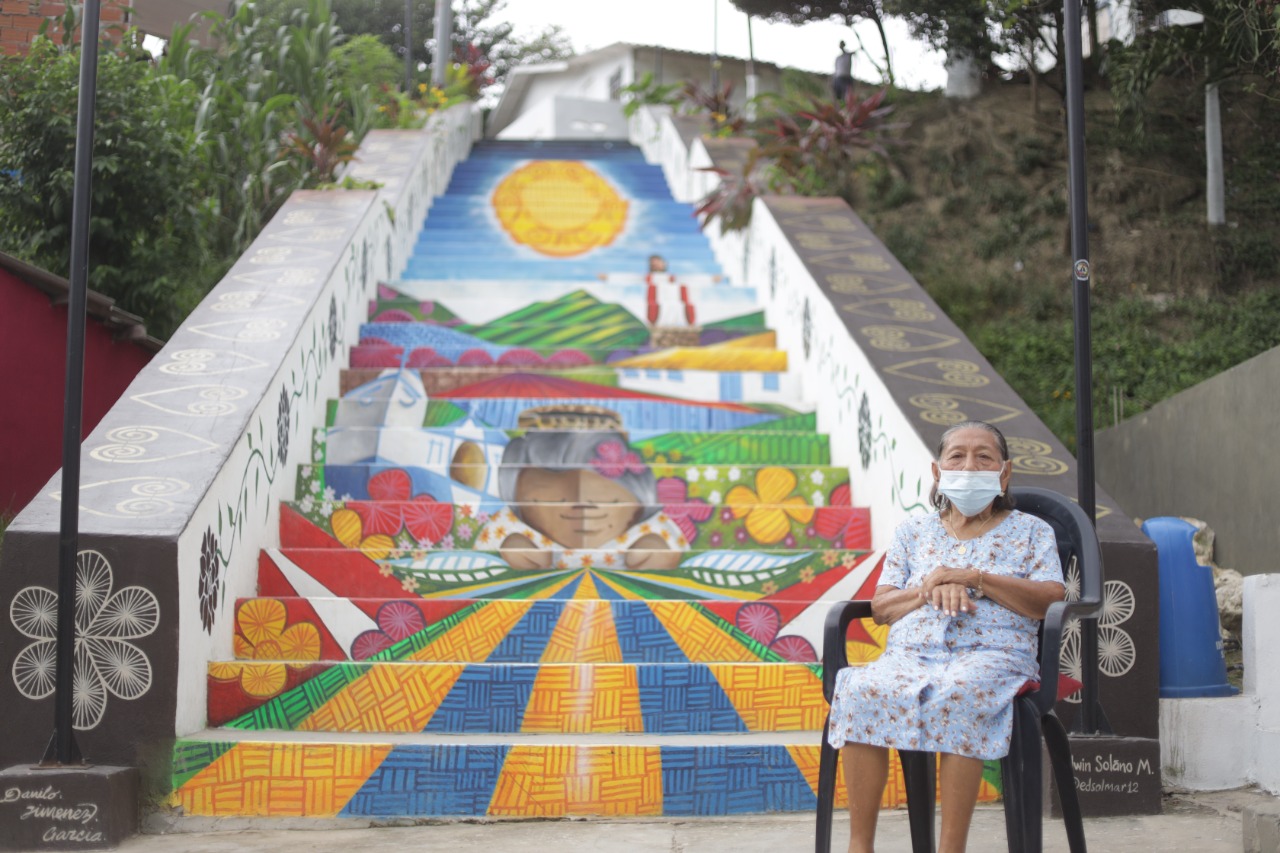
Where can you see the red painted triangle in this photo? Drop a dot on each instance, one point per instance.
(298, 531)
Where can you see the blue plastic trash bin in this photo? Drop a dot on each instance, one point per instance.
(1191, 661)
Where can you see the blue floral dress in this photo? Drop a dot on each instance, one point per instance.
(947, 683)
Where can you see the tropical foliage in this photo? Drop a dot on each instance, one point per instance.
(149, 208)
(823, 148)
(474, 28)
(195, 153)
(1233, 40)
(647, 91)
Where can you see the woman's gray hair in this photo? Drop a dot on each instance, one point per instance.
(939, 501)
(572, 450)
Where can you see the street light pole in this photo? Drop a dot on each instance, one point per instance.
(444, 37)
(62, 749)
(408, 47)
(1091, 719)
(715, 46)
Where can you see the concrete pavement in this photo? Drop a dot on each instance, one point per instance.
(1199, 823)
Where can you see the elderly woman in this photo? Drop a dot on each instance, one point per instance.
(964, 590)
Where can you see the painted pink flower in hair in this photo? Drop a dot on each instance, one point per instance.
(686, 512)
(613, 460)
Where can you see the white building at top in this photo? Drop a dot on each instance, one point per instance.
(581, 97)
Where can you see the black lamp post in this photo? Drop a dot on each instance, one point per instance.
(1091, 719)
(408, 47)
(62, 748)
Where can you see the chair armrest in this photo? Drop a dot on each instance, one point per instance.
(835, 656)
(1055, 622)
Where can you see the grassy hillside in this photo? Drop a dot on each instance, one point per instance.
(976, 208)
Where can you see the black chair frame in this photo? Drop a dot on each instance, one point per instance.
(1033, 718)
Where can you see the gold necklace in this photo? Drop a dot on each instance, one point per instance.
(961, 547)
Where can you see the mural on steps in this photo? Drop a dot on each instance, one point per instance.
(578, 494)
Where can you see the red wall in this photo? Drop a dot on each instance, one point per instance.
(33, 356)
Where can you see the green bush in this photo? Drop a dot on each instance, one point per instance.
(148, 219)
(271, 108)
(364, 61)
(1145, 350)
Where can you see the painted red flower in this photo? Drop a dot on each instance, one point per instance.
(400, 619)
(612, 460)
(475, 358)
(686, 512)
(846, 525)
(427, 357)
(521, 357)
(369, 644)
(759, 621)
(376, 355)
(393, 505)
(795, 649)
(569, 358)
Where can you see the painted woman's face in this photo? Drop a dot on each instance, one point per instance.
(577, 509)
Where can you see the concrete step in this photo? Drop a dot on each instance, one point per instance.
(530, 269)
(561, 630)
(483, 300)
(226, 773)
(798, 445)
(488, 698)
(767, 387)
(503, 404)
(742, 519)
(393, 474)
(421, 345)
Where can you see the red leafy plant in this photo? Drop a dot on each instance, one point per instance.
(820, 151)
(321, 146)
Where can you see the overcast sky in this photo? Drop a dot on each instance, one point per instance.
(691, 25)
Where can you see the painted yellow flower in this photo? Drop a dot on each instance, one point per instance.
(769, 508)
(261, 620)
(349, 529)
(265, 648)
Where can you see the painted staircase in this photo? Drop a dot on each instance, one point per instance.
(566, 544)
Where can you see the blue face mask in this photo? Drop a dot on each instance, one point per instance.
(970, 491)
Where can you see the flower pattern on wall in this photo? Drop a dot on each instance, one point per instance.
(282, 425)
(864, 432)
(105, 664)
(210, 569)
(333, 326)
(806, 329)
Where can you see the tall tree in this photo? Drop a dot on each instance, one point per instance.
(799, 12)
(149, 222)
(1233, 39)
(476, 25)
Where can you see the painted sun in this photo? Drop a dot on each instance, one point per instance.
(560, 208)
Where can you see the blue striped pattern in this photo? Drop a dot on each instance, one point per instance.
(462, 239)
(430, 780)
